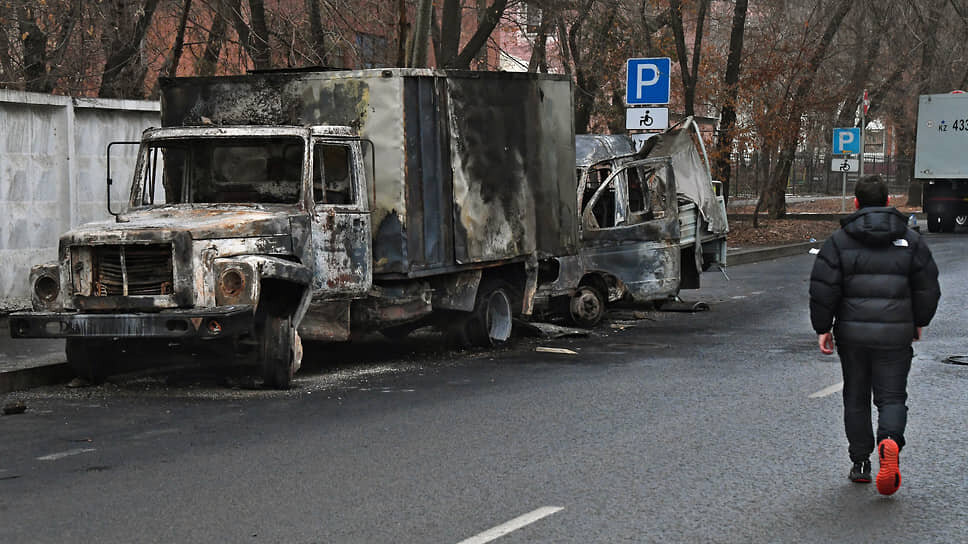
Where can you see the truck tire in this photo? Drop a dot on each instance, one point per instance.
(960, 221)
(586, 307)
(947, 223)
(934, 223)
(276, 352)
(489, 324)
(89, 358)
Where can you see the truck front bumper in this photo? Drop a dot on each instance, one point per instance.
(200, 323)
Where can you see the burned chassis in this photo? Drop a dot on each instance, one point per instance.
(218, 271)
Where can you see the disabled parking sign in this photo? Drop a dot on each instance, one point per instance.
(647, 80)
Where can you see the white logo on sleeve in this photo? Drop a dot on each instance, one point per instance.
(901, 242)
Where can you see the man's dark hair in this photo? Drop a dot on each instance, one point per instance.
(871, 191)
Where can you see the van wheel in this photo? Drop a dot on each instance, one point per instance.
(934, 223)
(586, 307)
(489, 324)
(277, 352)
(89, 358)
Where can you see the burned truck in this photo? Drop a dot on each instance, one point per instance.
(280, 206)
(650, 222)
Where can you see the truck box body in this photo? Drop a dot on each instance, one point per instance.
(942, 137)
(471, 167)
(940, 162)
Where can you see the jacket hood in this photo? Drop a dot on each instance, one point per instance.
(875, 226)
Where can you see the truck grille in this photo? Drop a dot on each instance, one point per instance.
(131, 270)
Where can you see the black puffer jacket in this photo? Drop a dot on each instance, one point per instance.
(878, 280)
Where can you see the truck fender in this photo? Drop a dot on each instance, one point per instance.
(271, 284)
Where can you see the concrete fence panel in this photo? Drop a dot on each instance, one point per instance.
(52, 173)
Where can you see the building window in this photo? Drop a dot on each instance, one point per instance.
(372, 50)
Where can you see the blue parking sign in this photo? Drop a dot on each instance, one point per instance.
(846, 141)
(647, 81)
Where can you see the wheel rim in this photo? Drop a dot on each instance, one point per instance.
(498, 316)
(586, 305)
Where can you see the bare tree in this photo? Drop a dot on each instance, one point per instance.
(773, 194)
(727, 116)
(690, 77)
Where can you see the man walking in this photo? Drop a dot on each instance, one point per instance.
(876, 283)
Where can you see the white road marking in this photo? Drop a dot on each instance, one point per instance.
(827, 391)
(513, 525)
(63, 454)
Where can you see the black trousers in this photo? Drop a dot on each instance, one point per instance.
(884, 373)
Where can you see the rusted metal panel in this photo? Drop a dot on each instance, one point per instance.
(342, 260)
(389, 305)
(513, 166)
(329, 321)
(648, 271)
(456, 291)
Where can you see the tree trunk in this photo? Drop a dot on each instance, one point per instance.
(539, 57)
(317, 32)
(689, 76)
(450, 21)
(417, 57)
(34, 42)
(259, 38)
(403, 28)
(727, 120)
(491, 18)
(224, 10)
(124, 71)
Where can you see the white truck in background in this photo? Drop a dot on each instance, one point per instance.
(941, 159)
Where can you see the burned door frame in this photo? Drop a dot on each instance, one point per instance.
(642, 253)
(341, 235)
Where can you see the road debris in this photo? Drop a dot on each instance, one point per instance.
(15, 407)
(562, 351)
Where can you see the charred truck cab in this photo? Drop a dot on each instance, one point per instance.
(276, 207)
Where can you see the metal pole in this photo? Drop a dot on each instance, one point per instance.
(863, 125)
(843, 193)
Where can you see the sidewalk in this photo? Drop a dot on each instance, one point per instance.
(36, 362)
(30, 363)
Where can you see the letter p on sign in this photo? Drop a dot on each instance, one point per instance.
(647, 81)
(846, 141)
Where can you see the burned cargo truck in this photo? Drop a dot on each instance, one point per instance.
(328, 203)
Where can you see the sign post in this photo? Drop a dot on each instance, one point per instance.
(847, 141)
(843, 165)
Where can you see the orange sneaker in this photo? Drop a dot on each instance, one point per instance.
(889, 475)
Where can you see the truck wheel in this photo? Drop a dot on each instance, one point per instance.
(934, 223)
(947, 223)
(89, 358)
(960, 221)
(277, 354)
(490, 322)
(587, 307)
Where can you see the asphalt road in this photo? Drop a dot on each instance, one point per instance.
(719, 426)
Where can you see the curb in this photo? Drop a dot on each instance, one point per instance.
(57, 373)
(35, 376)
(748, 256)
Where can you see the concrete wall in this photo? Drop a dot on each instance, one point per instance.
(52, 174)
